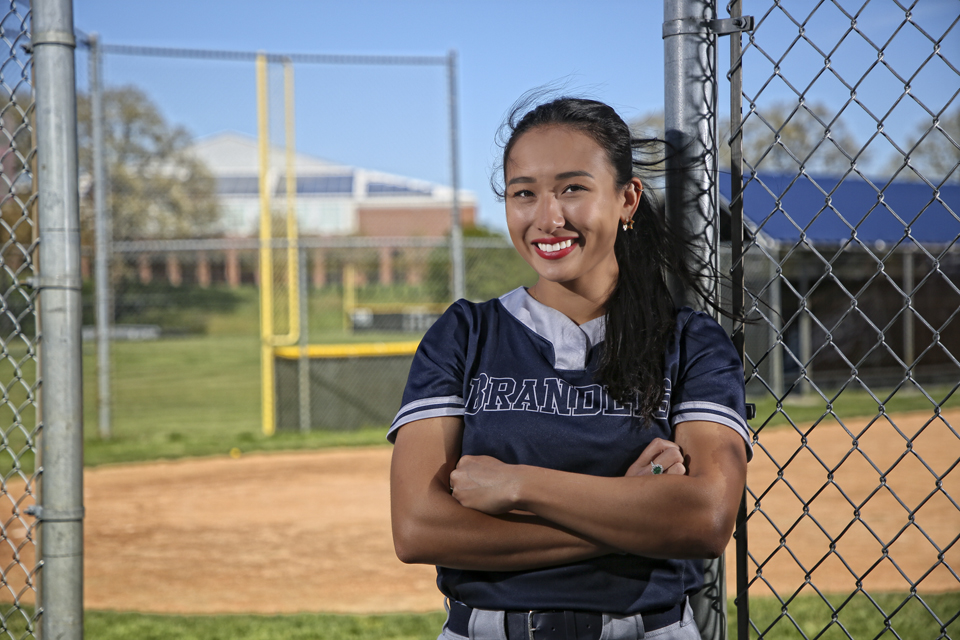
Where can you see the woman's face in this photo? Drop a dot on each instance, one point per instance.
(563, 208)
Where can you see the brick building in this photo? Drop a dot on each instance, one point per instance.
(332, 199)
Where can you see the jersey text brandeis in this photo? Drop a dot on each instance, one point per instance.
(550, 395)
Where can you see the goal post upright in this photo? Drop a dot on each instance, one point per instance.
(269, 337)
(265, 263)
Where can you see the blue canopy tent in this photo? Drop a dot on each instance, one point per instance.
(826, 209)
(823, 249)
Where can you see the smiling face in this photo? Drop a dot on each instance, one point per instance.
(563, 209)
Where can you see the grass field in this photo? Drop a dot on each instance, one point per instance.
(857, 618)
(197, 395)
(201, 396)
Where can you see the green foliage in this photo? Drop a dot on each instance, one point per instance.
(490, 271)
(18, 314)
(157, 188)
(494, 272)
(783, 136)
(176, 310)
(931, 151)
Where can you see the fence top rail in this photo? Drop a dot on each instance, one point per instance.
(225, 244)
(250, 56)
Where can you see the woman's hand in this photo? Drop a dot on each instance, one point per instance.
(665, 453)
(485, 484)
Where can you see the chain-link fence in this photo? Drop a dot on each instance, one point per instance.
(851, 201)
(185, 317)
(19, 382)
(356, 287)
(849, 198)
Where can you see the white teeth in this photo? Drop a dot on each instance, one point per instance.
(550, 248)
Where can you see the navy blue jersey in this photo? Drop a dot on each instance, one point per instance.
(521, 375)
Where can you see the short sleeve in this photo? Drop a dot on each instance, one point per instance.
(435, 384)
(709, 382)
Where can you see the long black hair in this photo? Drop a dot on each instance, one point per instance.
(640, 311)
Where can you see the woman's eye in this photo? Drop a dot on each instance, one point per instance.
(574, 187)
(522, 193)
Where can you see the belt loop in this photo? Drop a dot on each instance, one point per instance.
(487, 625)
(622, 627)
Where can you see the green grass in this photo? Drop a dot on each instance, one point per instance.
(804, 411)
(856, 616)
(199, 395)
(190, 397)
(105, 625)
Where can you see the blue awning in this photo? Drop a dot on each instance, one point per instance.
(824, 209)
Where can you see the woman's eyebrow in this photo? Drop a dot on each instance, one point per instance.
(572, 174)
(559, 176)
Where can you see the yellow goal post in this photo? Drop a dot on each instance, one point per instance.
(278, 257)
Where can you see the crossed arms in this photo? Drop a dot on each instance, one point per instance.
(475, 512)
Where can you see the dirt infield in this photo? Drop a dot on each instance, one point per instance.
(310, 531)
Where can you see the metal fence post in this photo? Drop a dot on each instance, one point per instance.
(304, 342)
(103, 239)
(61, 507)
(457, 281)
(690, 95)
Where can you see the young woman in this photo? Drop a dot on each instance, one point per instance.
(568, 454)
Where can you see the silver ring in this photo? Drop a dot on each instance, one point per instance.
(656, 468)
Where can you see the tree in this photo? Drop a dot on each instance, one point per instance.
(156, 188)
(16, 180)
(779, 138)
(784, 136)
(933, 151)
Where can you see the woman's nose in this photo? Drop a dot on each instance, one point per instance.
(549, 215)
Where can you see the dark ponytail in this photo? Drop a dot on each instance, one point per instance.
(640, 312)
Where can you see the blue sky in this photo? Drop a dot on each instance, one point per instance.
(394, 118)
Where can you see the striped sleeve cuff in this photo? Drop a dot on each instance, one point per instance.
(712, 412)
(425, 408)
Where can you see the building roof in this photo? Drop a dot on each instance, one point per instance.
(234, 159)
(235, 153)
(827, 210)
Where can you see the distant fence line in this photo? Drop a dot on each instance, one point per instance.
(237, 269)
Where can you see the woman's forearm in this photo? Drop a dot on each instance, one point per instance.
(653, 516)
(667, 516)
(431, 527)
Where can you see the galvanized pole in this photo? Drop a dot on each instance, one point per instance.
(60, 508)
(457, 280)
(690, 97)
(103, 240)
(690, 108)
(303, 363)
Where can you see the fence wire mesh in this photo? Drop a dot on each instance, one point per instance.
(851, 196)
(185, 329)
(19, 384)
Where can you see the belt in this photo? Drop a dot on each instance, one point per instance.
(555, 625)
